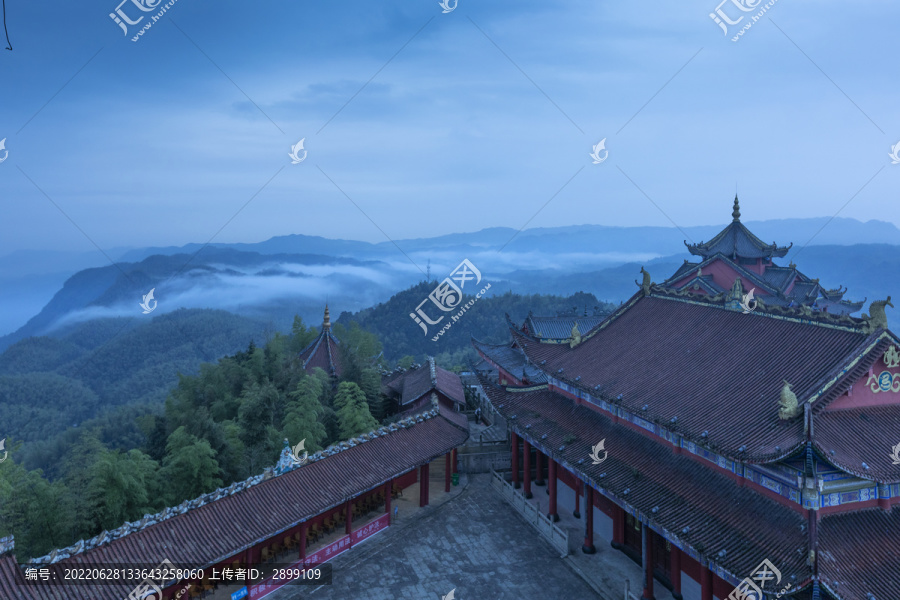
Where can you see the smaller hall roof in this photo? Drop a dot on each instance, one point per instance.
(408, 386)
(512, 360)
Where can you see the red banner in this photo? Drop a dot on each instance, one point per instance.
(330, 551)
(325, 554)
(370, 529)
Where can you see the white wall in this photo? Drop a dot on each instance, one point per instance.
(690, 589)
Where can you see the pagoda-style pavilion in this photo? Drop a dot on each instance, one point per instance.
(728, 438)
(736, 254)
(323, 352)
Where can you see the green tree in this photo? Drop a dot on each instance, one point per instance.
(122, 487)
(301, 335)
(30, 509)
(189, 468)
(353, 411)
(370, 382)
(304, 410)
(406, 362)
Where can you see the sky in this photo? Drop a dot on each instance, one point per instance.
(418, 123)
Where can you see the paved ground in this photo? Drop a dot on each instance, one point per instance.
(473, 542)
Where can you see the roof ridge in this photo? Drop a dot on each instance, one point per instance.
(268, 473)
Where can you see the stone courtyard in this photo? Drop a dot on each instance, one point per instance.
(470, 541)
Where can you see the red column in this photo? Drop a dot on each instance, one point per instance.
(514, 453)
(526, 448)
(578, 486)
(427, 471)
(303, 529)
(538, 467)
(588, 547)
(447, 472)
(618, 527)
(453, 460)
(706, 590)
(676, 572)
(387, 497)
(423, 485)
(647, 534)
(551, 485)
(349, 526)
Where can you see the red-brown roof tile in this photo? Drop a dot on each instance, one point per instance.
(859, 554)
(720, 514)
(224, 527)
(715, 369)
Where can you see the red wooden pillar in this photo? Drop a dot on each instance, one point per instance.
(706, 588)
(578, 487)
(349, 526)
(526, 449)
(618, 540)
(538, 467)
(303, 529)
(551, 485)
(514, 453)
(387, 497)
(647, 534)
(676, 572)
(423, 485)
(447, 472)
(453, 460)
(588, 547)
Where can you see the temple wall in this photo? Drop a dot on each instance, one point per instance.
(861, 394)
(723, 275)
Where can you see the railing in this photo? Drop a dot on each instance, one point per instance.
(484, 462)
(628, 594)
(556, 536)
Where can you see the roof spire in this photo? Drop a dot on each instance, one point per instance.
(326, 324)
(736, 213)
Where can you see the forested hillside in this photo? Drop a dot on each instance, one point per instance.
(49, 384)
(223, 425)
(485, 320)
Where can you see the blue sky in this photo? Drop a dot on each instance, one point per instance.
(152, 143)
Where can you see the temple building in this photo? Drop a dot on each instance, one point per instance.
(736, 254)
(305, 511)
(734, 450)
(411, 389)
(323, 352)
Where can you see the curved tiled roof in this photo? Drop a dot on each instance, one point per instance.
(512, 360)
(859, 554)
(736, 241)
(711, 368)
(226, 526)
(672, 492)
(323, 352)
(850, 439)
(560, 328)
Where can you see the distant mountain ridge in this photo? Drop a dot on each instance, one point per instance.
(295, 274)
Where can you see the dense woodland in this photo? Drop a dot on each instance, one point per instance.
(127, 458)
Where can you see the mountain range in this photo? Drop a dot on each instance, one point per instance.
(273, 280)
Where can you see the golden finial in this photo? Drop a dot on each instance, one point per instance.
(736, 213)
(326, 324)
